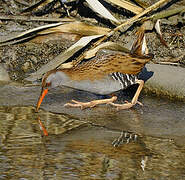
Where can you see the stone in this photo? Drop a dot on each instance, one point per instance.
(26, 66)
(4, 76)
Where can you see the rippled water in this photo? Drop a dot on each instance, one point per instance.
(77, 149)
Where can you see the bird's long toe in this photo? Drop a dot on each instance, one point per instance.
(82, 105)
(126, 105)
(122, 106)
(91, 104)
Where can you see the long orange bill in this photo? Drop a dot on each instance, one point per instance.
(43, 93)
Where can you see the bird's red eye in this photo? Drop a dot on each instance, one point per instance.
(48, 84)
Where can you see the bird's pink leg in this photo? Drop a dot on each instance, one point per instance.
(134, 101)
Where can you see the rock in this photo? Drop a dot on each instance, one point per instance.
(165, 80)
(4, 76)
(26, 66)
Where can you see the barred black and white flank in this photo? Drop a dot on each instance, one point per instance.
(125, 80)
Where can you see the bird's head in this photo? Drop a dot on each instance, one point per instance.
(50, 80)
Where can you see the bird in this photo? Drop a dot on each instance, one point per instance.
(108, 73)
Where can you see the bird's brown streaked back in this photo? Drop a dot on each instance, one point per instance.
(115, 62)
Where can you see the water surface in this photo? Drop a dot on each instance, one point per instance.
(79, 143)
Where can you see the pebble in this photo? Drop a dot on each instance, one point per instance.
(4, 76)
(26, 66)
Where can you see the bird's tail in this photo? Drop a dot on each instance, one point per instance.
(139, 47)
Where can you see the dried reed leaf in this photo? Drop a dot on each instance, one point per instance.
(77, 27)
(107, 45)
(143, 4)
(28, 33)
(158, 30)
(96, 6)
(66, 65)
(127, 5)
